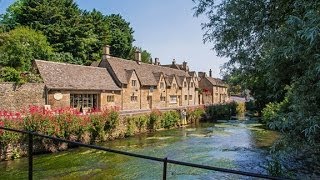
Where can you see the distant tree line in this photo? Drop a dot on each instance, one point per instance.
(58, 30)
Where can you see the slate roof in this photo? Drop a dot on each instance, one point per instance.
(144, 71)
(74, 77)
(216, 81)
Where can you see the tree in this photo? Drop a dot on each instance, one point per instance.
(121, 36)
(273, 48)
(20, 46)
(68, 29)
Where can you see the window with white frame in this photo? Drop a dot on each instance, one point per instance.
(173, 99)
(83, 100)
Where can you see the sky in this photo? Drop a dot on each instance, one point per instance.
(165, 28)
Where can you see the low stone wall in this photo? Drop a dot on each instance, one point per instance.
(42, 145)
(16, 97)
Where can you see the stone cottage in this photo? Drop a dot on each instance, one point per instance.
(126, 84)
(214, 90)
(148, 86)
(76, 86)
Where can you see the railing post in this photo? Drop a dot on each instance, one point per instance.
(165, 162)
(30, 155)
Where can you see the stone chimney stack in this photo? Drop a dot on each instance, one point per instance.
(185, 66)
(137, 56)
(156, 61)
(210, 73)
(202, 74)
(106, 52)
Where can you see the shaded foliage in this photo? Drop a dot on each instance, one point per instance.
(273, 48)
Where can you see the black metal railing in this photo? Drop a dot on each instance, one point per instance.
(164, 160)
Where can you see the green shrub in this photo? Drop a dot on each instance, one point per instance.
(97, 127)
(141, 122)
(131, 126)
(154, 120)
(9, 74)
(170, 119)
(8, 137)
(112, 121)
(250, 106)
(241, 108)
(194, 115)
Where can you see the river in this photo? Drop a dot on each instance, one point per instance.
(239, 145)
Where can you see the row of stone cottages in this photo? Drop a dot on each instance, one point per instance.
(127, 84)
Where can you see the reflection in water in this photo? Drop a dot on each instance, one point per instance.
(239, 145)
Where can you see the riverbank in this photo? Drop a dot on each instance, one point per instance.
(90, 129)
(240, 145)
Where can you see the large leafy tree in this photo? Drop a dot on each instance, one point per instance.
(71, 30)
(273, 48)
(121, 36)
(20, 46)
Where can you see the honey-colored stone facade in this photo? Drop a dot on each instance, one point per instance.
(131, 94)
(213, 94)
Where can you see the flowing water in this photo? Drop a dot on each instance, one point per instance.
(239, 145)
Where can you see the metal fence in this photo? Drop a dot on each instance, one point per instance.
(165, 160)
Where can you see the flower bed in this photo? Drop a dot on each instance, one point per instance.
(72, 125)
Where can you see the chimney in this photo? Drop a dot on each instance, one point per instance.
(185, 67)
(173, 62)
(210, 73)
(137, 56)
(151, 61)
(202, 74)
(106, 52)
(156, 61)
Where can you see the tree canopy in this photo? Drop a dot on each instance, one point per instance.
(70, 34)
(20, 46)
(273, 47)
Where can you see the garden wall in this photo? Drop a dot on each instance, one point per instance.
(16, 97)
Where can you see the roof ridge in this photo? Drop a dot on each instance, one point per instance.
(63, 63)
(143, 63)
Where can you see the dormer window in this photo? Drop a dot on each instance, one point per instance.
(134, 83)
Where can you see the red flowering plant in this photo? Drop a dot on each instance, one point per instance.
(12, 120)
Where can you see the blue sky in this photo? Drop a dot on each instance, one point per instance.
(166, 28)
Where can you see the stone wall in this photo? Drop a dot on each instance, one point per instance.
(16, 97)
(104, 102)
(62, 103)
